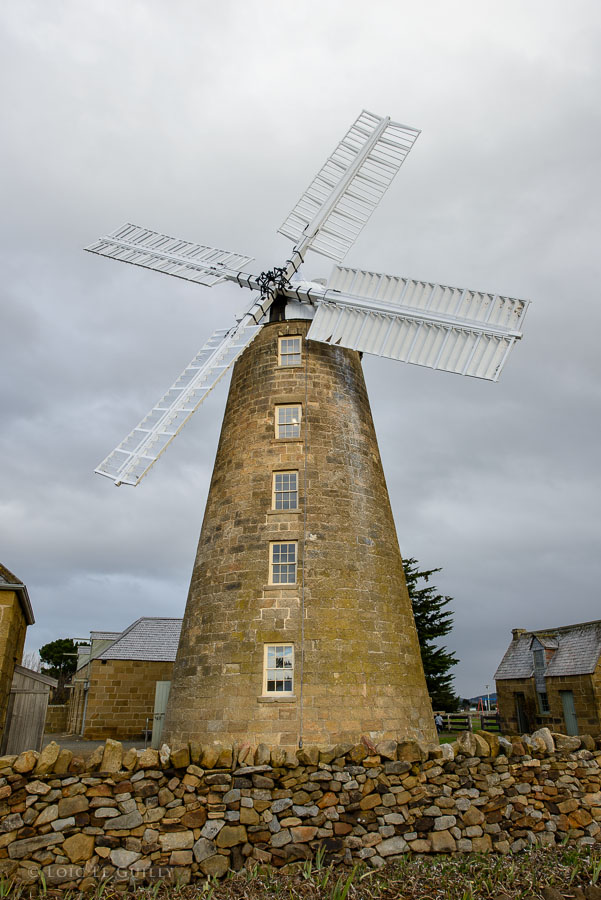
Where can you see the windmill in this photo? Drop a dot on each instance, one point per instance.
(298, 626)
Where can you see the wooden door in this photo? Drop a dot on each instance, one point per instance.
(569, 712)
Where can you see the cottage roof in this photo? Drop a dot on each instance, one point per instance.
(10, 582)
(151, 639)
(105, 635)
(577, 653)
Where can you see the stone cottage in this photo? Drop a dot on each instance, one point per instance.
(15, 615)
(552, 677)
(123, 677)
(80, 682)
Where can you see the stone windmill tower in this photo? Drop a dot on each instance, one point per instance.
(298, 626)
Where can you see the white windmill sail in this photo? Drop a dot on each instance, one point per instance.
(131, 460)
(427, 324)
(172, 256)
(463, 331)
(344, 193)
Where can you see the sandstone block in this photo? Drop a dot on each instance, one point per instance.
(177, 840)
(25, 762)
(215, 866)
(78, 847)
(149, 759)
(483, 748)
(387, 749)
(442, 842)
(308, 756)
(411, 751)
(180, 757)
(546, 737)
(94, 759)
(181, 858)
(230, 835)
(61, 766)
(69, 806)
(130, 760)
(566, 743)
(482, 844)
(47, 758)
(420, 846)
(47, 816)
(466, 744)
(262, 755)
(112, 757)
(473, 816)
(301, 834)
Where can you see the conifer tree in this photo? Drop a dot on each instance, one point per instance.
(432, 621)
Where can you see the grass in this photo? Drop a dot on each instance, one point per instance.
(568, 870)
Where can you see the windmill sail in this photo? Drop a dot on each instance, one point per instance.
(131, 460)
(172, 256)
(331, 213)
(427, 324)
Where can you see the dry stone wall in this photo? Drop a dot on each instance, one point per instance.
(190, 813)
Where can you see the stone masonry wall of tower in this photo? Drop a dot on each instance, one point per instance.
(362, 671)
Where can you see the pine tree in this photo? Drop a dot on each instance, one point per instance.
(432, 621)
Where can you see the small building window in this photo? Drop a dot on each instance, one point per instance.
(288, 421)
(282, 564)
(285, 490)
(278, 669)
(289, 351)
(543, 703)
(539, 660)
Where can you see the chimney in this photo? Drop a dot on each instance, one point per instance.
(517, 633)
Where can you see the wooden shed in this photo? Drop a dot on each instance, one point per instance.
(26, 712)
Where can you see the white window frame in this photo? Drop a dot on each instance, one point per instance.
(284, 491)
(273, 563)
(287, 652)
(285, 406)
(284, 357)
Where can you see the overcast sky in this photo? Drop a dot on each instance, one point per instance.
(206, 121)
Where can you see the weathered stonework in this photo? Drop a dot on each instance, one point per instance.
(121, 696)
(362, 670)
(15, 616)
(586, 690)
(155, 819)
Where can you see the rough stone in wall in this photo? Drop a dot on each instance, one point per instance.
(190, 812)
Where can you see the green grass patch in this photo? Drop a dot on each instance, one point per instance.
(570, 872)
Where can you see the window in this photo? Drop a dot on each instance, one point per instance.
(539, 660)
(285, 490)
(278, 668)
(543, 703)
(282, 565)
(287, 421)
(289, 351)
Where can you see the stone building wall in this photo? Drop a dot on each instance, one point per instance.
(195, 812)
(121, 696)
(587, 701)
(13, 626)
(355, 642)
(56, 718)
